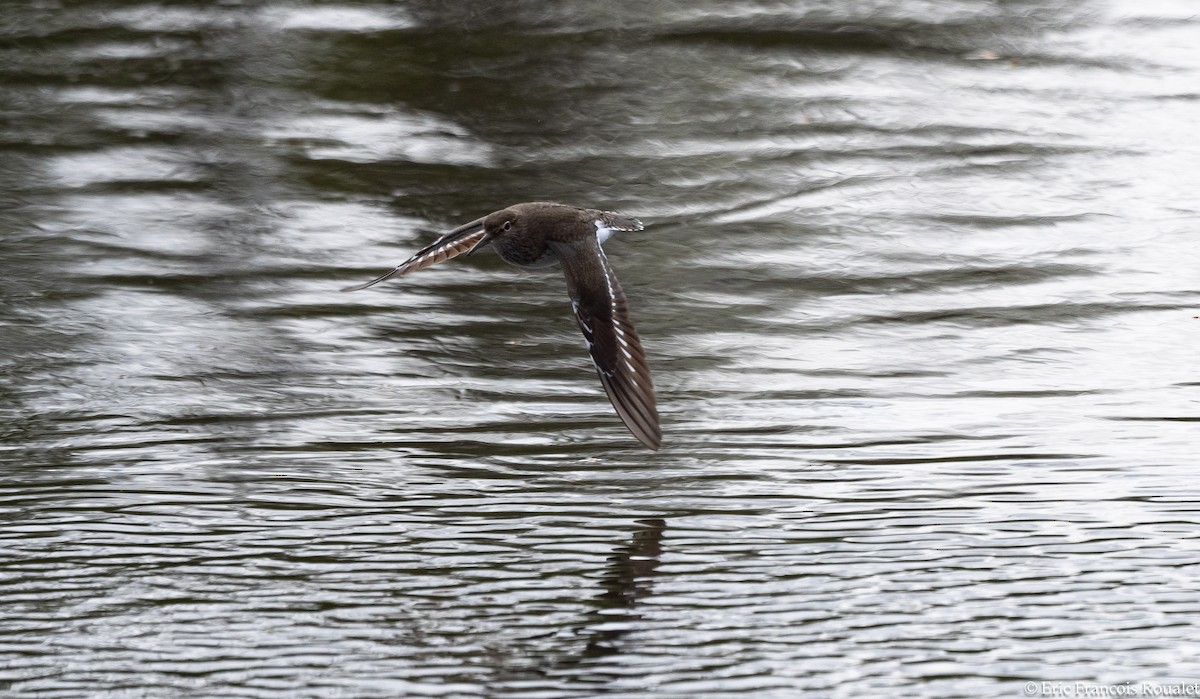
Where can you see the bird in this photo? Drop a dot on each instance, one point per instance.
(540, 234)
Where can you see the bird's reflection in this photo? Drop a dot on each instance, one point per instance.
(629, 578)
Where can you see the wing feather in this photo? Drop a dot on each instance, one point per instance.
(602, 312)
(461, 240)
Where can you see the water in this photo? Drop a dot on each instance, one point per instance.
(919, 288)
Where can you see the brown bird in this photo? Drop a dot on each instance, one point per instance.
(538, 234)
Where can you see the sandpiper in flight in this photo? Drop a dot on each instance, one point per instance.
(538, 234)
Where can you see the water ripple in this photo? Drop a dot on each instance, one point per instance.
(917, 287)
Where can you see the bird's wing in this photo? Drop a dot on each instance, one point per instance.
(619, 222)
(463, 239)
(603, 316)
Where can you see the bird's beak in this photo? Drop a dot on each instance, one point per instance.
(487, 238)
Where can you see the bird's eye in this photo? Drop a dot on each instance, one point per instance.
(507, 226)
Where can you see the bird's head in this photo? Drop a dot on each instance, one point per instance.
(500, 224)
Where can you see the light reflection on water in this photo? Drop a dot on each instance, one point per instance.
(918, 288)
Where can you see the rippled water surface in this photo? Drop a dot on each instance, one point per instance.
(920, 287)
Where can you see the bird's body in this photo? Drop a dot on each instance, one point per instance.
(539, 234)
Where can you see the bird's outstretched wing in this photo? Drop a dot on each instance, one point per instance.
(603, 316)
(461, 240)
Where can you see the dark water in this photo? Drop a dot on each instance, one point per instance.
(919, 285)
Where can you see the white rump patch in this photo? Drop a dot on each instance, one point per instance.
(603, 232)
